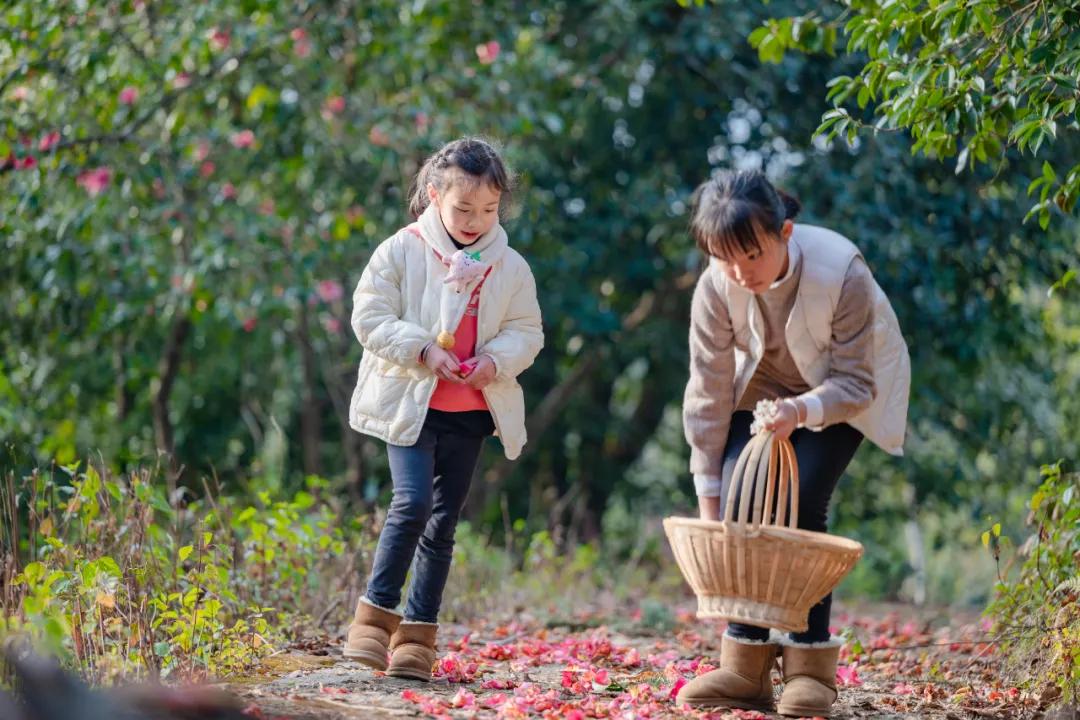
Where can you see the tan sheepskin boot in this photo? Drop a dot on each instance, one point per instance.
(743, 681)
(412, 650)
(368, 641)
(809, 679)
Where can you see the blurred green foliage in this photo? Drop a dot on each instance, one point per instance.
(191, 191)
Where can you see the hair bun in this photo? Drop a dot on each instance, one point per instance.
(791, 205)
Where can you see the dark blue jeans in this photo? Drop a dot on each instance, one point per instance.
(822, 458)
(431, 481)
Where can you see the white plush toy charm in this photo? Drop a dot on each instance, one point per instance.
(464, 268)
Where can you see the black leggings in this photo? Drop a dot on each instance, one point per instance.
(822, 458)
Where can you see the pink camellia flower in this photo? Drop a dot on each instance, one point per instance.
(94, 181)
(129, 95)
(494, 701)
(301, 44)
(378, 136)
(202, 151)
(463, 699)
(27, 163)
(330, 290)
(847, 675)
(228, 191)
(250, 324)
(334, 105)
(488, 52)
(332, 325)
(21, 92)
(181, 81)
(207, 169)
(219, 39)
(48, 141)
(243, 139)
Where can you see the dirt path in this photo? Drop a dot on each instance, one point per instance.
(899, 664)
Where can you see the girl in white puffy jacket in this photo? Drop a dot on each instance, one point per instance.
(448, 317)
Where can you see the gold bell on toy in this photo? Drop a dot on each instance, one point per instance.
(445, 340)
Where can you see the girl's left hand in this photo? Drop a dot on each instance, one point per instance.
(483, 372)
(786, 420)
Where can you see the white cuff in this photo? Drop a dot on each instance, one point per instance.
(815, 411)
(707, 485)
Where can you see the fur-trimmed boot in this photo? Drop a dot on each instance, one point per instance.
(369, 635)
(809, 678)
(743, 681)
(413, 650)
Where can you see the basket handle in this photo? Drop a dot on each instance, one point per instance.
(767, 470)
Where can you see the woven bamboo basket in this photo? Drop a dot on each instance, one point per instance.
(755, 566)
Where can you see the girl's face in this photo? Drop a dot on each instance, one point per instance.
(758, 269)
(468, 210)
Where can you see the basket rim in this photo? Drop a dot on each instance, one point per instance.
(807, 536)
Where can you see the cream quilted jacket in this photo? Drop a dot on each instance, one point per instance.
(396, 308)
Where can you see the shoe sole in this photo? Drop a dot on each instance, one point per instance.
(804, 711)
(409, 674)
(372, 661)
(731, 705)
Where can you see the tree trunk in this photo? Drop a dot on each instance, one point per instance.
(311, 408)
(915, 547)
(123, 396)
(594, 478)
(168, 369)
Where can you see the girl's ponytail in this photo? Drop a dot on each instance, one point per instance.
(418, 197)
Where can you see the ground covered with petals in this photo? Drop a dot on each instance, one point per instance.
(897, 663)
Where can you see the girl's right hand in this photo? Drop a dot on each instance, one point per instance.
(443, 363)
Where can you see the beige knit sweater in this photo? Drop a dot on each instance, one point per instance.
(709, 400)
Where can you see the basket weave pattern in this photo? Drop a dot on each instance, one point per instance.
(755, 566)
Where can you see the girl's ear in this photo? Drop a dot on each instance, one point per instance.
(786, 229)
(433, 194)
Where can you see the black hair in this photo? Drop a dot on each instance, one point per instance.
(478, 161)
(735, 209)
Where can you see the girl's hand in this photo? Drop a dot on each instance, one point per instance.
(786, 420)
(443, 363)
(483, 372)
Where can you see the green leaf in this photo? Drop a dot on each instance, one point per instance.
(1061, 284)
(961, 159)
(863, 96)
(110, 566)
(1048, 172)
(184, 553)
(259, 95)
